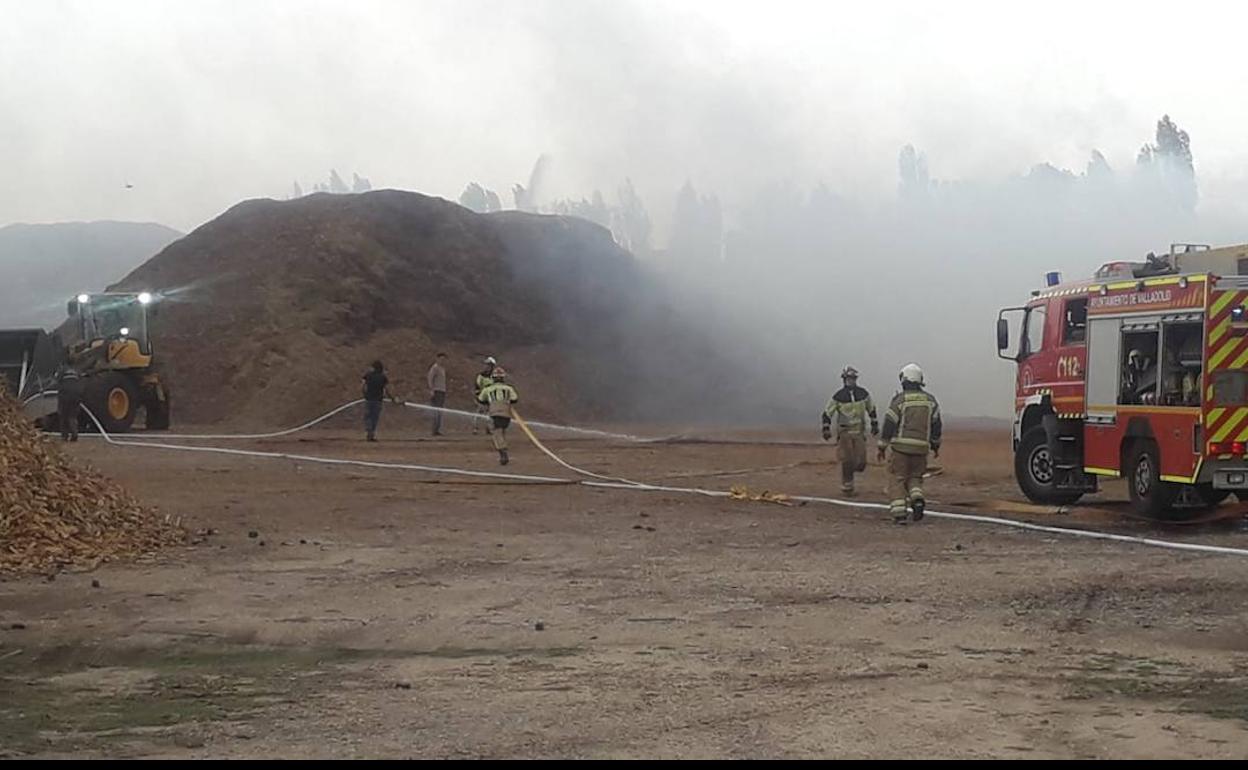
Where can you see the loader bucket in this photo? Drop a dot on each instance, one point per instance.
(27, 362)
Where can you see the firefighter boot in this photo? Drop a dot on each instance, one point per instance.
(918, 505)
(502, 457)
(847, 480)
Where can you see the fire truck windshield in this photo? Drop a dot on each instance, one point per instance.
(1033, 337)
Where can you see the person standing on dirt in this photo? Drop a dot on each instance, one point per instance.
(849, 409)
(376, 389)
(68, 400)
(912, 428)
(498, 398)
(437, 390)
(484, 379)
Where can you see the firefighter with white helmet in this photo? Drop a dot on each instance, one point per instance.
(912, 428)
(498, 397)
(1134, 379)
(849, 410)
(483, 380)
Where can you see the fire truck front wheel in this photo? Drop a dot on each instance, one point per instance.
(1150, 496)
(1033, 467)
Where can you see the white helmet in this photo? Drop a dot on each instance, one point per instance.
(912, 373)
(490, 361)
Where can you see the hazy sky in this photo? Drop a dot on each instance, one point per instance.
(201, 104)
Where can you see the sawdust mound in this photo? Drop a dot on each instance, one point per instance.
(274, 309)
(55, 515)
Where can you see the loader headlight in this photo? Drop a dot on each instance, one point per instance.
(145, 298)
(83, 299)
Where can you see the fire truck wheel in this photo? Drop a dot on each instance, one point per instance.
(1150, 496)
(1033, 467)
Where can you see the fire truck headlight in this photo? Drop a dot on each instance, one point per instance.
(145, 298)
(1237, 314)
(83, 299)
(1235, 478)
(125, 331)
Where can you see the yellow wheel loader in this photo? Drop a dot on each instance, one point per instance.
(106, 341)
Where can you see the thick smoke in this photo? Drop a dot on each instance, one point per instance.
(819, 186)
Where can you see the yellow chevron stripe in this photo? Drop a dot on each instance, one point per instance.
(1218, 331)
(1227, 348)
(1214, 415)
(1243, 434)
(1230, 425)
(1221, 302)
(1240, 360)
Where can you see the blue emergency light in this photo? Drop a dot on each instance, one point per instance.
(1052, 278)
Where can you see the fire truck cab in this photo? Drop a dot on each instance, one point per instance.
(1139, 372)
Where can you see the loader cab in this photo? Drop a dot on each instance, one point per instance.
(110, 317)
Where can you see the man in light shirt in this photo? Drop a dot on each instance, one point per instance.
(437, 390)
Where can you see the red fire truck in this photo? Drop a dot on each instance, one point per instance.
(1140, 372)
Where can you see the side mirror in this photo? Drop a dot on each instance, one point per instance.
(1003, 334)
(72, 308)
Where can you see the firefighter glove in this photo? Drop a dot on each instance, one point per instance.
(827, 433)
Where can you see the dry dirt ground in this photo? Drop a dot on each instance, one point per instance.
(377, 614)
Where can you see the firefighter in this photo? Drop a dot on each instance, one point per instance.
(68, 401)
(498, 397)
(484, 379)
(850, 408)
(911, 428)
(1133, 377)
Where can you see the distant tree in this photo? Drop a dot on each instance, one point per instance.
(697, 229)
(912, 167)
(1098, 168)
(1172, 143)
(360, 184)
(520, 197)
(630, 223)
(479, 199)
(473, 198)
(594, 210)
(336, 185)
(1167, 164)
(599, 211)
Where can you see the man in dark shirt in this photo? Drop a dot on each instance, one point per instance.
(68, 400)
(376, 389)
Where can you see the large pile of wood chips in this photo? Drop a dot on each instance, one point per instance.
(56, 514)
